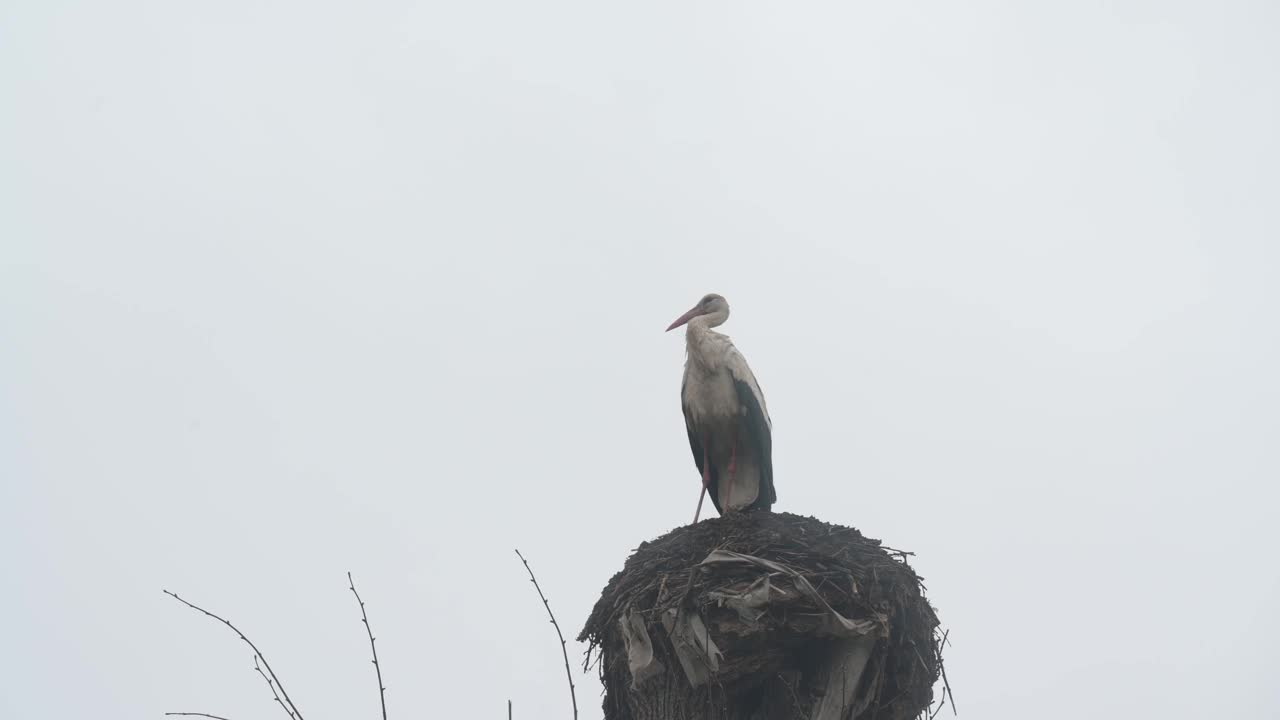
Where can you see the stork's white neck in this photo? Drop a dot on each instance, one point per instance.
(706, 346)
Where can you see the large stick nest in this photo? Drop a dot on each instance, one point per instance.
(765, 615)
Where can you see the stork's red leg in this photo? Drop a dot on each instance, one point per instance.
(706, 476)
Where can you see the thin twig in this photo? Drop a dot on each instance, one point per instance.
(919, 657)
(941, 704)
(844, 687)
(795, 699)
(364, 618)
(203, 715)
(946, 684)
(271, 685)
(573, 695)
(290, 708)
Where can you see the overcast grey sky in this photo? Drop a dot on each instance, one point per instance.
(294, 288)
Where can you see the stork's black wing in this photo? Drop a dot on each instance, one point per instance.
(756, 426)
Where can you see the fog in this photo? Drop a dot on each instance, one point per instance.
(294, 289)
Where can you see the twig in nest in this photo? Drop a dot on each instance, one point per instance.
(364, 618)
(945, 683)
(946, 686)
(203, 715)
(795, 699)
(844, 687)
(289, 708)
(573, 695)
(941, 704)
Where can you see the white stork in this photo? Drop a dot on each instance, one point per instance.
(724, 411)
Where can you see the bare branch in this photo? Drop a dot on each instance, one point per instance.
(272, 685)
(364, 618)
(203, 715)
(568, 673)
(274, 681)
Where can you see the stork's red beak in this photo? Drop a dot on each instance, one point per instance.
(685, 318)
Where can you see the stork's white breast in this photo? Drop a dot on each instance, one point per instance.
(711, 394)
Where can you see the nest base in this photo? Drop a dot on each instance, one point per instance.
(766, 616)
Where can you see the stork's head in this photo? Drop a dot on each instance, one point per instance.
(712, 305)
